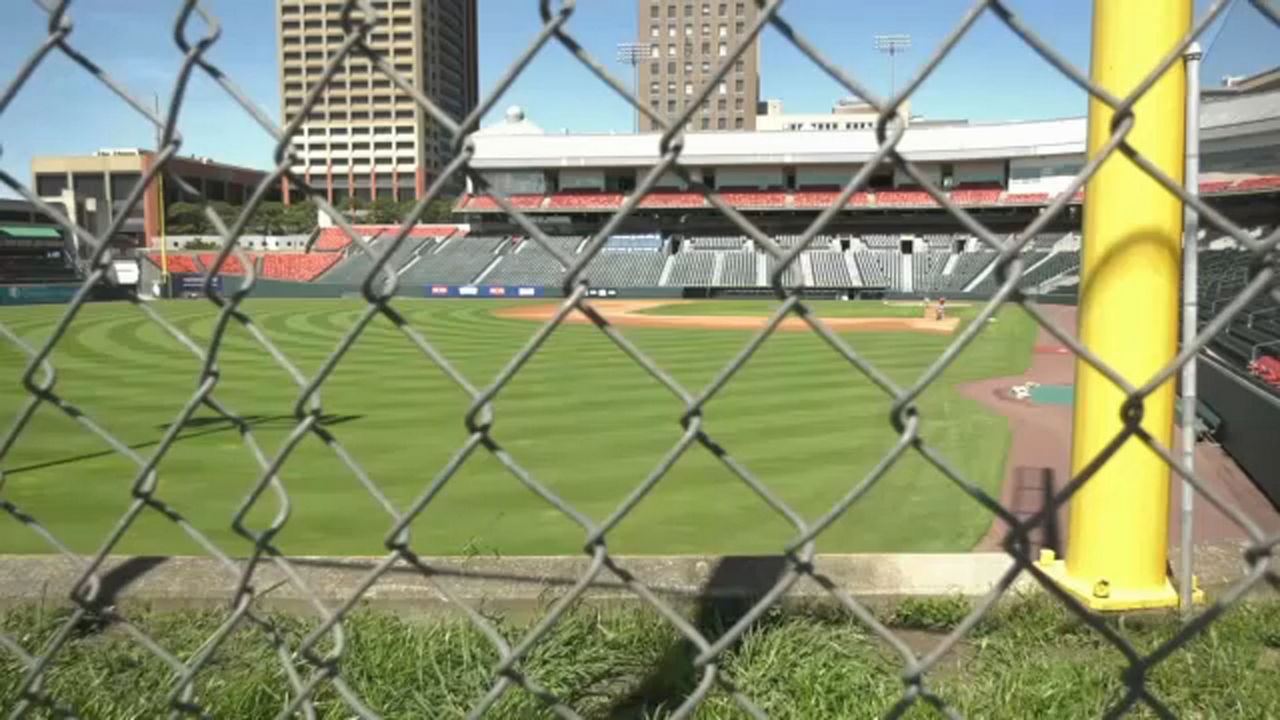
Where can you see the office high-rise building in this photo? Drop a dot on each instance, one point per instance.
(688, 40)
(366, 138)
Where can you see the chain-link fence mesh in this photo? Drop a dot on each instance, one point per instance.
(315, 661)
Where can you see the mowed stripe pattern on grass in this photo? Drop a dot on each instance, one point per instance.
(580, 416)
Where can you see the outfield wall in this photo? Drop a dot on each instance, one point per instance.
(36, 294)
(1250, 419)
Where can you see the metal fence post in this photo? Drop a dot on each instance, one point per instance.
(1190, 319)
(1117, 539)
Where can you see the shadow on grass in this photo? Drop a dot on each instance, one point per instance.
(735, 586)
(203, 426)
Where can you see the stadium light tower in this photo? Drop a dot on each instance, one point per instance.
(634, 53)
(892, 45)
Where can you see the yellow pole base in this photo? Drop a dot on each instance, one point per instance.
(1098, 594)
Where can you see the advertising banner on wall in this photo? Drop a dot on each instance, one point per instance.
(185, 285)
(483, 291)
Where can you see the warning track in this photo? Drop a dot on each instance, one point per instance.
(628, 313)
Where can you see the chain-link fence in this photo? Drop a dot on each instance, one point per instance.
(315, 662)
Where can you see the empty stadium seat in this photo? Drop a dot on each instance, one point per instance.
(585, 200)
(975, 196)
(668, 199)
(231, 266)
(177, 263)
(904, 197)
(755, 198)
(1026, 198)
(824, 198)
(1266, 182)
(486, 203)
(1267, 369)
(1208, 187)
(332, 238)
(417, 231)
(815, 198)
(299, 267)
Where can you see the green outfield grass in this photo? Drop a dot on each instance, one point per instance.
(580, 416)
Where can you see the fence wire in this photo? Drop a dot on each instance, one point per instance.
(315, 661)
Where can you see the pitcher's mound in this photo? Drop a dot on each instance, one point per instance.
(626, 313)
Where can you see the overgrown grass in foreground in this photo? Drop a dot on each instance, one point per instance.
(1031, 660)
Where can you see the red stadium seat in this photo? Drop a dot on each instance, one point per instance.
(1025, 198)
(824, 198)
(177, 263)
(417, 231)
(232, 266)
(815, 198)
(669, 199)
(974, 196)
(332, 238)
(300, 267)
(486, 203)
(585, 200)
(1265, 182)
(1266, 369)
(904, 197)
(755, 198)
(1210, 187)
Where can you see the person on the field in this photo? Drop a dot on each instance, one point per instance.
(942, 307)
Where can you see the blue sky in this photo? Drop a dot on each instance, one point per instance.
(991, 75)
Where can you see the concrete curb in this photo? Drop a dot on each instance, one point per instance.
(506, 584)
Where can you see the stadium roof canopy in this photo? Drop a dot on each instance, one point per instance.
(494, 148)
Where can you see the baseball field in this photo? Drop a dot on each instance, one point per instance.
(581, 417)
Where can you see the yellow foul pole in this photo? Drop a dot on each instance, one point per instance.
(1117, 539)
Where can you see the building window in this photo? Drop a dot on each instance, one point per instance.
(653, 31)
(671, 51)
(671, 68)
(724, 49)
(706, 67)
(739, 27)
(654, 104)
(706, 8)
(722, 104)
(721, 123)
(655, 68)
(654, 51)
(740, 8)
(671, 87)
(688, 30)
(654, 88)
(688, 88)
(724, 30)
(739, 84)
(724, 87)
(688, 10)
(737, 103)
(688, 68)
(653, 11)
(739, 65)
(706, 123)
(706, 29)
(671, 106)
(706, 48)
(738, 123)
(671, 31)
(655, 125)
(671, 11)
